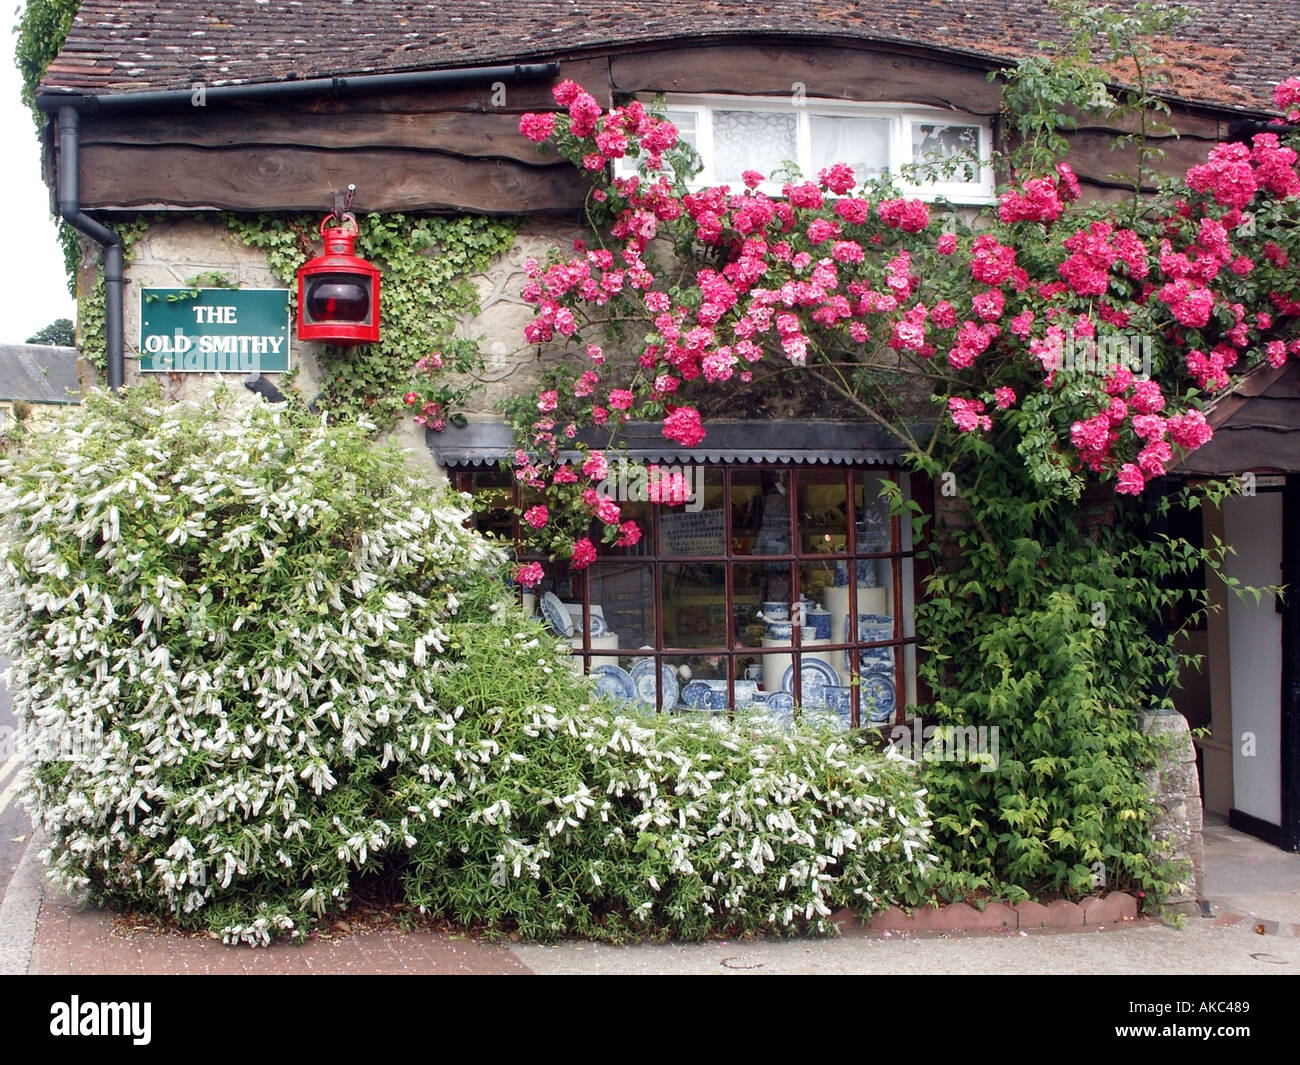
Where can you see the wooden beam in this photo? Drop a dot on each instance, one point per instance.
(826, 72)
(1095, 158)
(302, 180)
(473, 134)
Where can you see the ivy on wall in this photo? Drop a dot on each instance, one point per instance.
(427, 264)
(90, 307)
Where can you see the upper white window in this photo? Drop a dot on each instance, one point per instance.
(738, 133)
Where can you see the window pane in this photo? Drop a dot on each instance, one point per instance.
(863, 143)
(762, 589)
(939, 142)
(698, 526)
(815, 580)
(874, 524)
(751, 140)
(823, 512)
(623, 595)
(495, 488)
(687, 132)
(760, 512)
(695, 605)
(642, 513)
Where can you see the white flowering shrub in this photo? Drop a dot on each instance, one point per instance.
(255, 657)
(562, 819)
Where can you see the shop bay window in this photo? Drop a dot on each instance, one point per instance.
(735, 134)
(746, 595)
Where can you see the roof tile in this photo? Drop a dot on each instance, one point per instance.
(1231, 53)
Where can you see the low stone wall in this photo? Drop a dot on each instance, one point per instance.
(1176, 793)
(1062, 915)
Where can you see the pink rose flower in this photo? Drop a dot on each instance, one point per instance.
(583, 554)
(1131, 481)
(530, 575)
(683, 425)
(537, 127)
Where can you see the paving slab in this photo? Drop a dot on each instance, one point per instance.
(72, 940)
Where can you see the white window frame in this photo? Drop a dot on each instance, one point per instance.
(902, 117)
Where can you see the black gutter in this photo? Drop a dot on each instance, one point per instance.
(69, 107)
(1242, 130)
(421, 79)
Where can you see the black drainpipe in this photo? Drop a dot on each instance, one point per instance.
(70, 211)
(69, 105)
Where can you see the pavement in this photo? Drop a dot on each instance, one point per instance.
(1253, 927)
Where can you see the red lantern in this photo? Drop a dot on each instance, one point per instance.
(338, 293)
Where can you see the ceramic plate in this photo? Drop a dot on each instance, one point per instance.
(614, 683)
(781, 706)
(872, 660)
(814, 676)
(643, 680)
(556, 616)
(878, 696)
(697, 695)
(598, 626)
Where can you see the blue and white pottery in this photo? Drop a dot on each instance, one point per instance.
(781, 706)
(598, 626)
(818, 623)
(839, 701)
(873, 660)
(615, 684)
(878, 694)
(776, 611)
(556, 616)
(697, 695)
(643, 679)
(866, 571)
(838, 697)
(873, 628)
(779, 630)
(814, 675)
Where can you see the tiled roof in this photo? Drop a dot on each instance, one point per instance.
(1231, 54)
(38, 373)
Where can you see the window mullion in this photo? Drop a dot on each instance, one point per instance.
(704, 133)
(803, 135)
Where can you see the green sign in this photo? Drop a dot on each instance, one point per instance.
(214, 330)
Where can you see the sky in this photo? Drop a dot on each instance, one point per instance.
(33, 286)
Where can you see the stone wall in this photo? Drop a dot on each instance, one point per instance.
(179, 248)
(512, 367)
(1176, 792)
